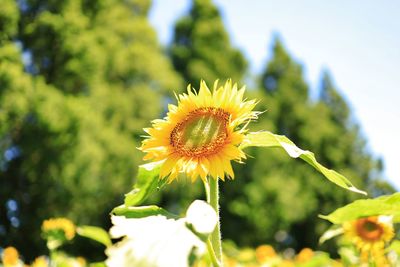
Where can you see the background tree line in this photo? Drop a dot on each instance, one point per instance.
(79, 79)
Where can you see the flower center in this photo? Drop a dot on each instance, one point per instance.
(369, 230)
(203, 132)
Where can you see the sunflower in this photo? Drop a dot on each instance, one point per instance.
(65, 226)
(200, 136)
(370, 236)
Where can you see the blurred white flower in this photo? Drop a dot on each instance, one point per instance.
(202, 217)
(157, 241)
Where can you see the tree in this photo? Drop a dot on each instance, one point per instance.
(71, 116)
(201, 47)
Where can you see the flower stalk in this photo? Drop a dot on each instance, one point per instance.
(212, 192)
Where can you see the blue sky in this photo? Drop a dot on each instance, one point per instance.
(358, 41)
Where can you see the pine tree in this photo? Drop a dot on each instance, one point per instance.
(70, 118)
(201, 47)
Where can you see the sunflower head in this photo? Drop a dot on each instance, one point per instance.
(370, 235)
(200, 135)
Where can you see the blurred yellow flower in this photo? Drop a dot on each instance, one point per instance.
(229, 262)
(60, 224)
(82, 261)
(286, 263)
(40, 262)
(200, 136)
(10, 257)
(304, 255)
(370, 236)
(265, 253)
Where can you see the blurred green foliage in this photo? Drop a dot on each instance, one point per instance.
(71, 116)
(79, 79)
(201, 48)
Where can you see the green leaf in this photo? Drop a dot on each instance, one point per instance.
(95, 233)
(384, 205)
(268, 139)
(394, 246)
(330, 233)
(142, 211)
(147, 181)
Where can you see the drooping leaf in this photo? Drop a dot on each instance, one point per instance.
(95, 233)
(142, 211)
(384, 205)
(333, 231)
(147, 181)
(268, 139)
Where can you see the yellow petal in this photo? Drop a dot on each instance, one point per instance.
(168, 165)
(213, 167)
(228, 168)
(232, 152)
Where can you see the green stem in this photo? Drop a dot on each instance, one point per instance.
(213, 200)
(207, 189)
(213, 257)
